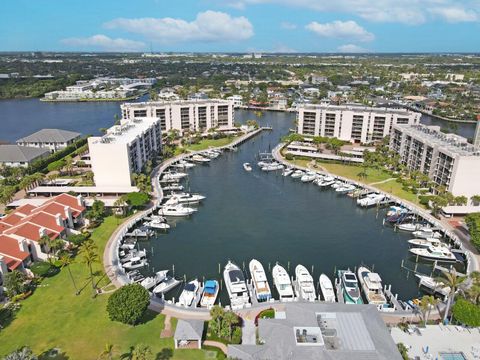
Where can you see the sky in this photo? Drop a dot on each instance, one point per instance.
(347, 26)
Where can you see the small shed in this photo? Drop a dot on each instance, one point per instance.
(188, 334)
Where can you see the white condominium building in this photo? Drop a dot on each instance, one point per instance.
(351, 122)
(447, 159)
(123, 150)
(184, 115)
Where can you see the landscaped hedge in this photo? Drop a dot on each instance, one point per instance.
(128, 304)
(466, 313)
(473, 223)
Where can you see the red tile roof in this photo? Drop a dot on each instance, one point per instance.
(25, 209)
(4, 226)
(12, 264)
(30, 231)
(53, 209)
(12, 218)
(10, 247)
(67, 200)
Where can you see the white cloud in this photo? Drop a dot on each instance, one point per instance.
(455, 14)
(351, 48)
(341, 30)
(401, 11)
(103, 42)
(208, 26)
(284, 49)
(288, 26)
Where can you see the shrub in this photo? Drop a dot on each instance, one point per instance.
(42, 268)
(403, 351)
(289, 156)
(128, 304)
(237, 335)
(78, 239)
(137, 199)
(473, 223)
(466, 312)
(56, 165)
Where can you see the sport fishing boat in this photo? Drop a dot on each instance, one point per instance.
(273, 166)
(396, 210)
(425, 233)
(287, 172)
(434, 253)
(325, 183)
(425, 243)
(187, 198)
(157, 224)
(152, 281)
(236, 286)
(132, 254)
(282, 283)
(247, 166)
(259, 280)
(210, 293)
(189, 293)
(347, 280)
(135, 263)
(372, 287)
(166, 285)
(173, 176)
(326, 287)
(297, 174)
(345, 188)
(305, 286)
(173, 187)
(182, 164)
(176, 210)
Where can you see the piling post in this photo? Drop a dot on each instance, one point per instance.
(312, 268)
(219, 268)
(173, 270)
(288, 266)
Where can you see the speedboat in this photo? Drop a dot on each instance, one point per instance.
(157, 224)
(434, 253)
(425, 243)
(425, 233)
(186, 198)
(135, 276)
(287, 172)
(200, 159)
(173, 187)
(371, 200)
(396, 210)
(210, 293)
(236, 286)
(282, 283)
(308, 177)
(337, 184)
(305, 286)
(166, 285)
(135, 263)
(345, 188)
(182, 164)
(273, 166)
(297, 174)
(189, 293)
(210, 154)
(349, 287)
(259, 280)
(133, 254)
(174, 176)
(152, 281)
(176, 210)
(247, 166)
(327, 288)
(408, 227)
(372, 287)
(325, 182)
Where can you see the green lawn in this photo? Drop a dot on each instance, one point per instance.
(207, 143)
(374, 176)
(53, 317)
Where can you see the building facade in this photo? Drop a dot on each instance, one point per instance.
(351, 122)
(448, 159)
(21, 156)
(124, 149)
(184, 115)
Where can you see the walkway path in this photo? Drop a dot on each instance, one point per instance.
(249, 336)
(383, 181)
(216, 344)
(167, 328)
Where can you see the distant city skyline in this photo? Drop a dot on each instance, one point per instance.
(345, 26)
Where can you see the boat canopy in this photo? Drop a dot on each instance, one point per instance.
(236, 276)
(190, 287)
(210, 286)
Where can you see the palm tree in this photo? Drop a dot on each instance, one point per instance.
(121, 202)
(451, 279)
(107, 352)
(68, 164)
(230, 319)
(65, 261)
(89, 254)
(45, 242)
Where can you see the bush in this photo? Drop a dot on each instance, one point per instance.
(78, 239)
(289, 156)
(424, 199)
(237, 335)
(42, 268)
(473, 223)
(403, 351)
(128, 304)
(56, 165)
(137, 199)
(466, 313)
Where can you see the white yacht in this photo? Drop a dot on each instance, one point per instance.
(434, 253)
(372, 287)
(173, 187)
(434, 286)
(282, 283)
(210, 293)
(370, 200)
(182, 164)
(187, 198)
(259, 281)
(247, 166)
(407, 227)
(200, 159)
(132, 254)
(157, 224)
(236, 286)
(189, 293)
(327, 288)
(152, 281)
(274, 166)
(287, 172)
(396, 210)
(297, 174)
(305, 286)
(308, 177)
(176, 210)
(425, 233)
(345, 188)
(166, 285)
(174, 176)
(425, 243)
(135, 263)
(325, 183)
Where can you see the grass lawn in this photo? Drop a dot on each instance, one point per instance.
(207, 143)
(374, 176)
(53, 317)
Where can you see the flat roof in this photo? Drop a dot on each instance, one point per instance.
(354, 108)
(176, 102)
(125, 133)
(83, 189)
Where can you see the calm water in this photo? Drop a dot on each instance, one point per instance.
(246, 215)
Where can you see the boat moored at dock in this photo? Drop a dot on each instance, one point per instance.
(236, 286)
(327, 289)
(434, 253)
(348, 285)
(166, 285)
(282, 283)
(305, 287)
(209, 294)
(372, 288)
(189, 293)
(259, 281)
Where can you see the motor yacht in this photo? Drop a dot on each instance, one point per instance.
(282, 283)
(259, 281)
(343, 189)
(326, 287)
(200, 159)
(157, 224)
(247, 166)
(173, 187)
(166, 285)
(176, 210)
(425, 233)
(425, 243)
(347, 280)
(371, 200)
(408, 227)
(209, 294)
(434, 253)
(135, 263)
(189, 293)
(236, 286)
(152, 281)
(308, 177)
(297, 174)
(372, 287)
(133, 254)
(305, 287)
(187, 198)
(174, 176)
(287, 172)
